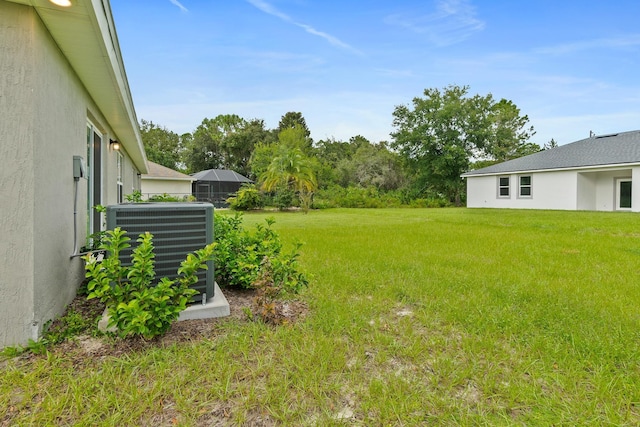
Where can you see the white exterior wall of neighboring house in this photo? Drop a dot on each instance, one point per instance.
(598, 173)
(163, 180)
(549, 190)
(154, 186)
(581, 189)
(44, 110)
(597, 189)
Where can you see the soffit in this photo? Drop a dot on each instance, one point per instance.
(85, 33)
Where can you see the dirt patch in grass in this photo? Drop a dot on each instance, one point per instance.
(88, 346)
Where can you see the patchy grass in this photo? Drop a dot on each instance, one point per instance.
(437, 317)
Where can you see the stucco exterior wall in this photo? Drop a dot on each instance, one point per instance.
(606, 187)
(587, 194)
(589, 189)
(151, 187)
(44, 109)
(635, 189)
(550, 190)
(17, 192)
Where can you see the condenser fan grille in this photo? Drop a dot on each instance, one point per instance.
(178, 229)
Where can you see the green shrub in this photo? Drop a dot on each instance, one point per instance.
(135, 306)
(284, 198)
(247, 197)
(355, 197)
(135, 197)
(240, 254)
(430, 202)
(167, 198)
(274, 280)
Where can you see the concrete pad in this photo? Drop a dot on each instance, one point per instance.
(218, 306)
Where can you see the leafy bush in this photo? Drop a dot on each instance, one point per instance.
(355, 197)
(274, 280)
(169, 198)
(246, 198)
(284, 198)
(95, 240)
(240, 255)
(135, 306)
(135, 197)
(430, 202)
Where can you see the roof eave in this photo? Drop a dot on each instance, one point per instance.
(523, 171)
(148, 177)
(86, 35)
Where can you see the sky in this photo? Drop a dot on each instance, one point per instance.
(571, 66)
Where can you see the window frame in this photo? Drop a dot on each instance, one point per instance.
(499, 194)
(618, 193)
(529, 186)
(119, 173)
(95, 176)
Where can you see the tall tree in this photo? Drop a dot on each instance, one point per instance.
(443, 131)
(239, 145)
(295, 119)
(224, 142)
(161, 145)
(376, 166)
(510, 133)
(291, 168)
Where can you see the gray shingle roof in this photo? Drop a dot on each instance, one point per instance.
(613, 149)
(220, 175)
(162, 172)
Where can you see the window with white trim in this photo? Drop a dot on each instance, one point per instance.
(524, 186)
(623, 193)
(119, 162)
(504, 187)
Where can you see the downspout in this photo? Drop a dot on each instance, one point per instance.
(75, 217)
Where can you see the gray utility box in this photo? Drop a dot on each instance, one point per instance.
(178, 229)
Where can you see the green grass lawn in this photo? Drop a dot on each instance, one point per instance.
(417, 317)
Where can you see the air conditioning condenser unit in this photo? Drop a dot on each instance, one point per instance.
(178, 229)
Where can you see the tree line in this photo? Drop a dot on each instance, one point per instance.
(435, 139)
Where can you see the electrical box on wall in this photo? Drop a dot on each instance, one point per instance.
(178, 229)
(79, 168)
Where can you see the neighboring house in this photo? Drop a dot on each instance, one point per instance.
(217, 185)
(163, 180)
(69, 140)
(599, 173)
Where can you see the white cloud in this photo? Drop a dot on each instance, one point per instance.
(630, 41)
(271, 10)
(452, 22)
(177, 3)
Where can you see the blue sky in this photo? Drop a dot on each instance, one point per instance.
(572, 66)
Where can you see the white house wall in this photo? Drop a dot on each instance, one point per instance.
(587, 191)
(151, 187)
(44, 110)
(635, 189)
(550, 190)
(17, 189)
(590, 189)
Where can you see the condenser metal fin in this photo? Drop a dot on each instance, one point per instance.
(177, 228)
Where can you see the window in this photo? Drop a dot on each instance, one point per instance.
(119, 161)
(503, 187)
(623, 193)
(94, 174)
(525, 186)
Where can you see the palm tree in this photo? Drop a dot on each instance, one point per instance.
(291, 169)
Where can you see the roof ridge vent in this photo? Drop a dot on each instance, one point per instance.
(606, 136)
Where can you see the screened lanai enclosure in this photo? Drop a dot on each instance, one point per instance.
(217, 185)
